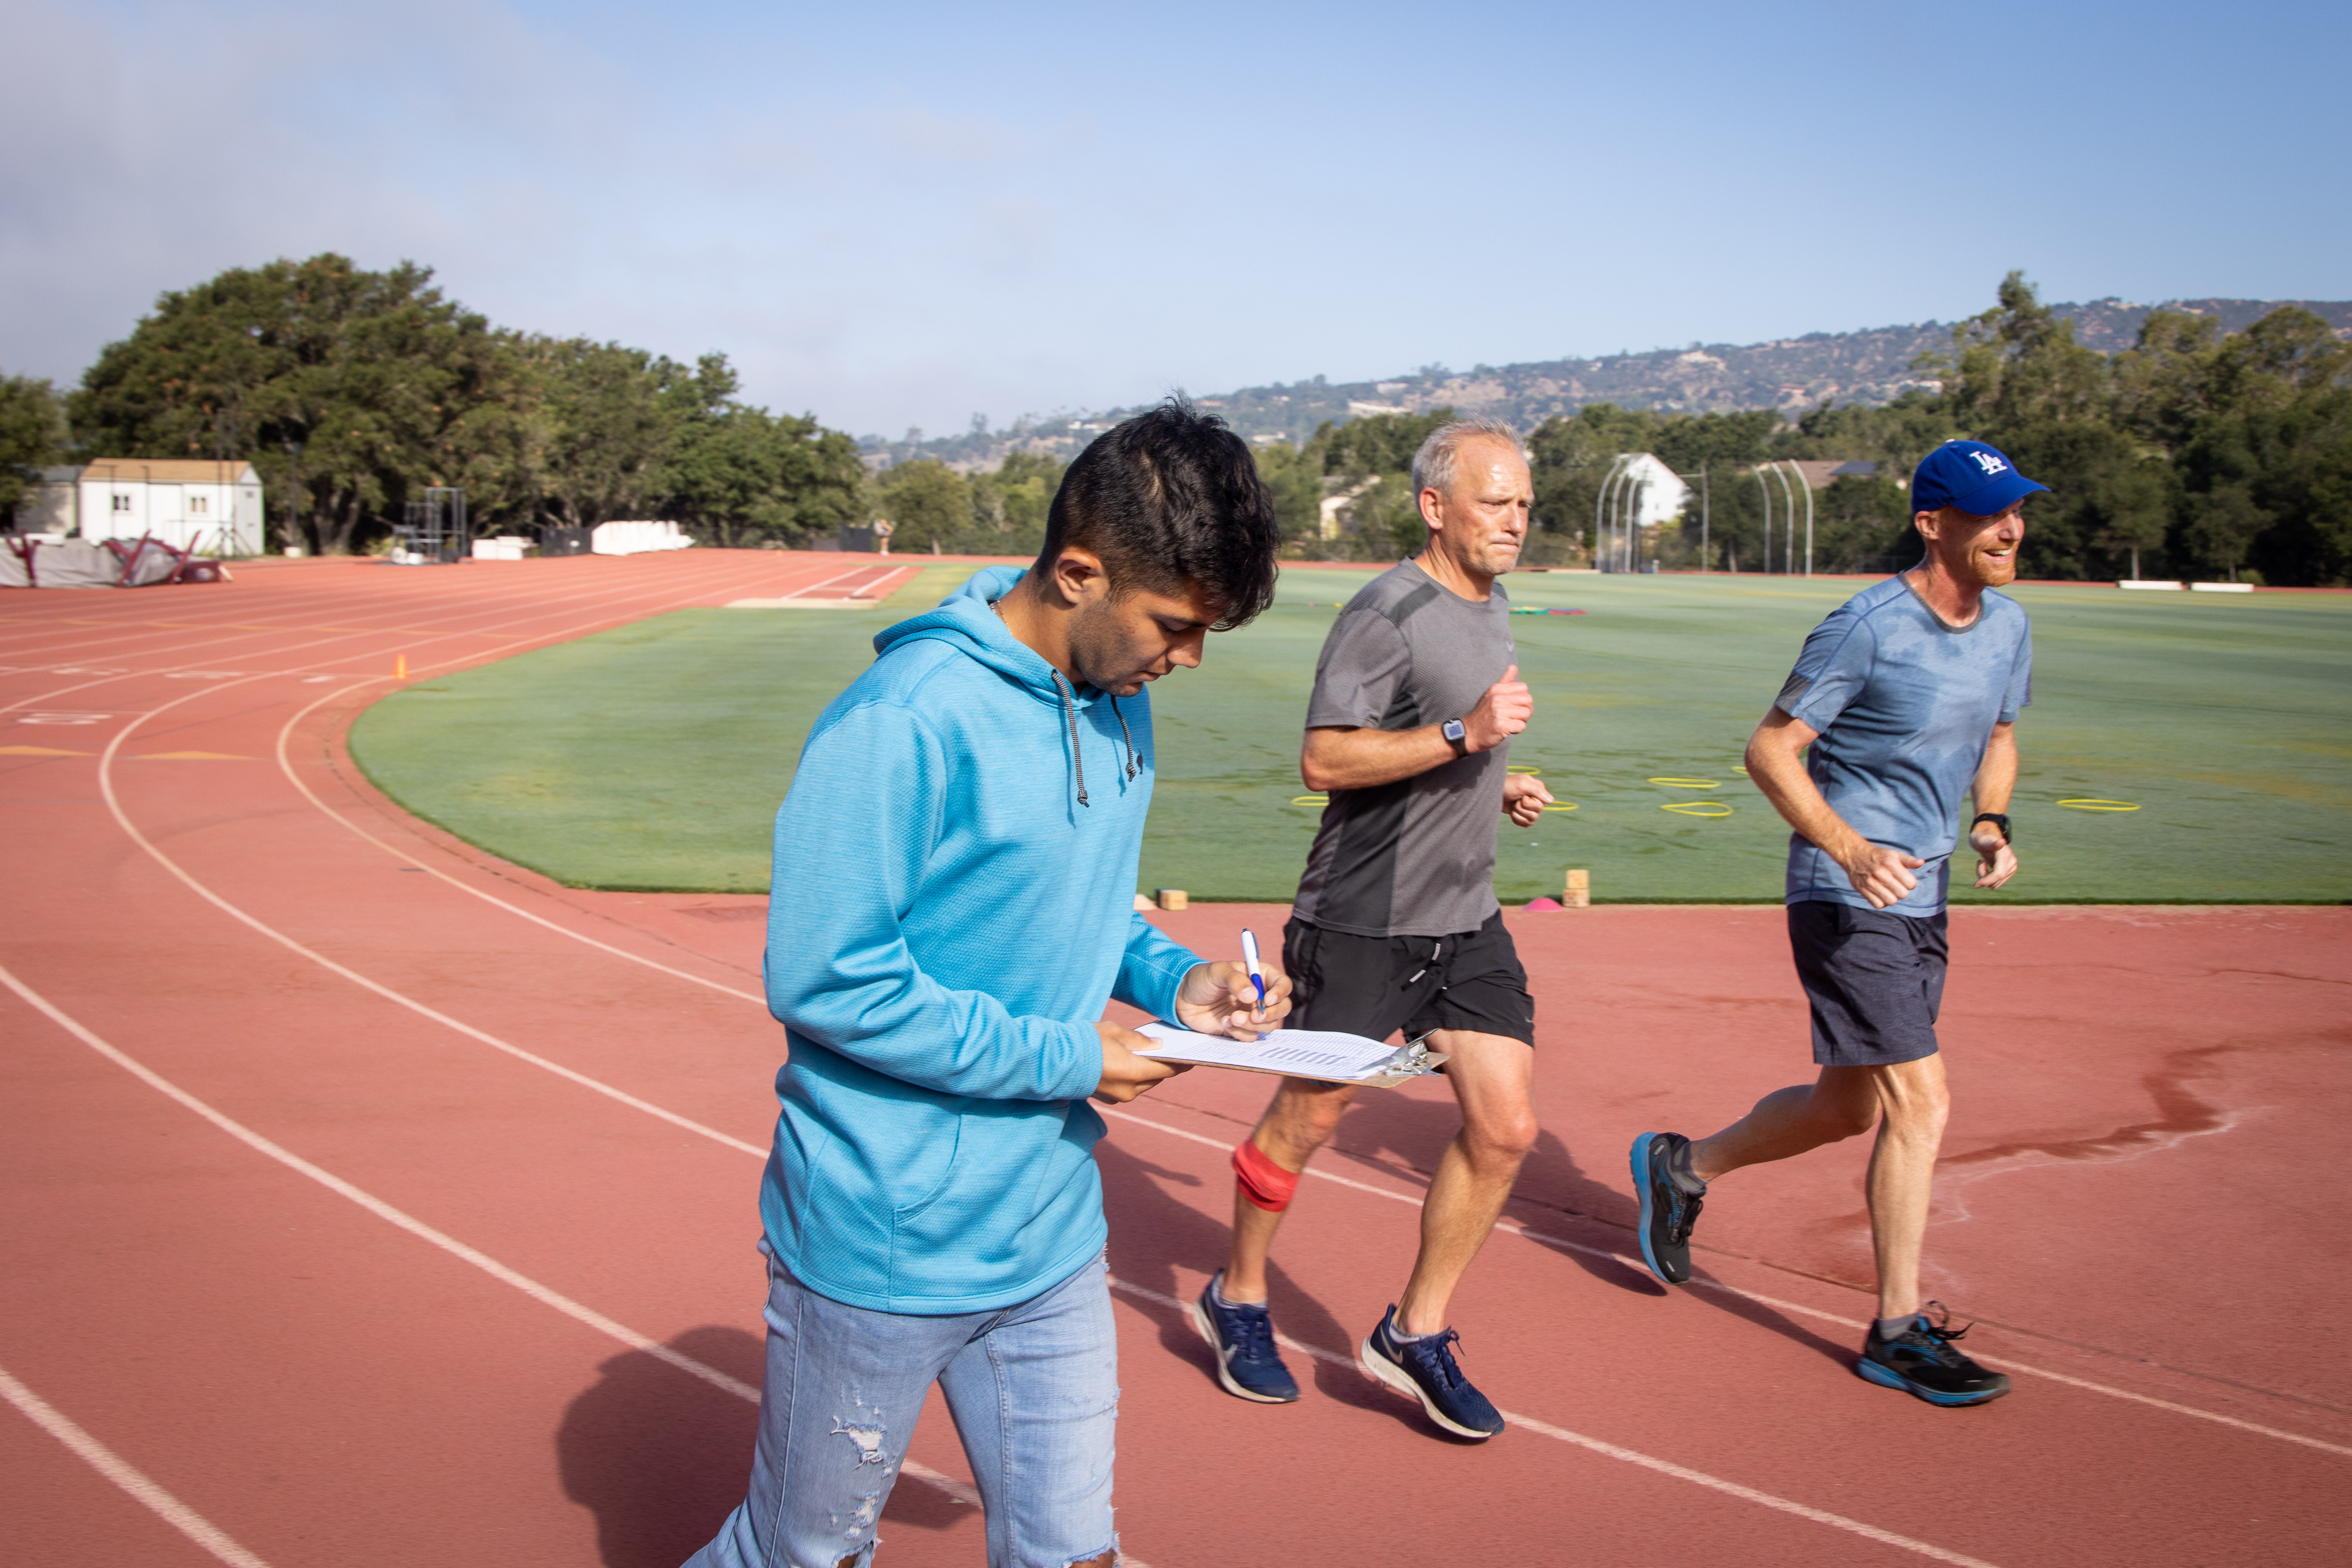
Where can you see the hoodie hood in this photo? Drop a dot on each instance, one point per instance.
(965, 622)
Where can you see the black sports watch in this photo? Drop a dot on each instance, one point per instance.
(2007, 837)
(1455, 736)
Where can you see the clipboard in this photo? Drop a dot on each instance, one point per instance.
(1294, 1053)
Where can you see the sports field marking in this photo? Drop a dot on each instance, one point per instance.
(1708, 809)
(1635, 1457)
(1513, 1227)
(286, 766)
(544, 1295)
(1688, 784)
(126, 1475)
(1509, 1225)
(122, 819)
(2099, 804)
(39, 752)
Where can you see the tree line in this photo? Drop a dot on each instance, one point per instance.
(2193, 454)
(390, 387)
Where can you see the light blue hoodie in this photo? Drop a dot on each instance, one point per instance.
(952, 906)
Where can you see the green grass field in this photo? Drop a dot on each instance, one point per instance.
(653, 757)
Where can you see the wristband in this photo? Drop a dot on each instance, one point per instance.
(2006, 835)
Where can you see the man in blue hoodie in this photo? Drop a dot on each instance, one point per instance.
(951, 908)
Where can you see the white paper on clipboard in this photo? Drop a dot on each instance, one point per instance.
(1323, 1054)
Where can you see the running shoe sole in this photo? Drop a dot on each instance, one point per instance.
(1887, 1377)
(1201, 1321)
(1644, 1186)
(1379, 1369)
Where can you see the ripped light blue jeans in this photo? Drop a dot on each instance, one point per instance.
(1034, 1389)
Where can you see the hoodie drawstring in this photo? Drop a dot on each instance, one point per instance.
(1133, 767)
(1070, 712)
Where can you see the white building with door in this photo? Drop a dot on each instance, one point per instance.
(212, 508)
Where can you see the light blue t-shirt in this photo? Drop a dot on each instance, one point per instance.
(1905, 705)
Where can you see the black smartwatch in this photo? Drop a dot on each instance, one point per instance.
(2006, 835)
(1455, 736)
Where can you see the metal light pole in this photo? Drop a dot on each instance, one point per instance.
(294, 496)
(1703, 567)
(1809, 520)
(1789, 543)
(1600, 530)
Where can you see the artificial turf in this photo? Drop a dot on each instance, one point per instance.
(653, 757)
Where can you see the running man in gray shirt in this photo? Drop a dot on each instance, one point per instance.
(1417, 698)
(1903, 701)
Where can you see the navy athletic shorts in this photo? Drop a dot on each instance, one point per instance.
(1876, 981)
(1371, 986)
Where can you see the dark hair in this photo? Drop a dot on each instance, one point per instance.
(1170, 500)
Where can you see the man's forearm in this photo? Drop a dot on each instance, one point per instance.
(1997, 774)
(1364, 759)
(1774, 767)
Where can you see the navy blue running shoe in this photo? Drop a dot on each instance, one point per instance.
(1424, 1368)
(1668, 1211)
(1923, 1361)
(1241, 1334)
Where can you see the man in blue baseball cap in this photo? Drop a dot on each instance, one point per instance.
(1903, 701)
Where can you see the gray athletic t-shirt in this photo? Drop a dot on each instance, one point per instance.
(1415, 857)
(1905, 705)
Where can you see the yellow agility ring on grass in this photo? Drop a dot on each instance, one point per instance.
(1689, 783)
(1515, 768)
(2099, 804)
(1697, 807)
(1561, 806)
(1310, 800)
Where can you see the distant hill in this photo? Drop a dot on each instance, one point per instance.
(1793, 373)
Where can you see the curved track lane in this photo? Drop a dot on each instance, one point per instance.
(370, 1201)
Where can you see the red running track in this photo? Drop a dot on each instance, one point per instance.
(368, 1201)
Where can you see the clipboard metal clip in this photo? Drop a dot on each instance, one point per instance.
(1412, 1059)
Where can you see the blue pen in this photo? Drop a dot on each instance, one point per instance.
(1249, 957)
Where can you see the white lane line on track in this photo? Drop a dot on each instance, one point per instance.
(126, 1475)
(705, 582)
(1635, 1457)
(286, 766)
(544, 1295)
(122, 819)
(1514, 1228)
(636, 1341)
(1508, 1225)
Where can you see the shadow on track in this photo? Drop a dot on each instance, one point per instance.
(661, 1459)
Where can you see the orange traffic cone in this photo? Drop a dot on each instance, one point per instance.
(400, 666)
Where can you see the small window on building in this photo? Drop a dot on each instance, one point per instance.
(121, 502)
(199, 503)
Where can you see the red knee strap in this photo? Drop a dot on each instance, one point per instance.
(1260, 1181)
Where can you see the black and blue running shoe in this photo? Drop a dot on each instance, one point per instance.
(1241, 1334)
(1424, 1369)
(1668, 1211)
(1923, 1361)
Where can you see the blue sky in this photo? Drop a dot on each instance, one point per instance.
(895, 214)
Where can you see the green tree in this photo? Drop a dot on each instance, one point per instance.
(390, 386)
(609, 417)
(929, 502)
(32, 436)
(1009, 505)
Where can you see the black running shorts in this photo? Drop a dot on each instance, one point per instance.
(1374, 985)
(1876, 981)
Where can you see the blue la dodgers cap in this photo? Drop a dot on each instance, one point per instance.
(1971, 476)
